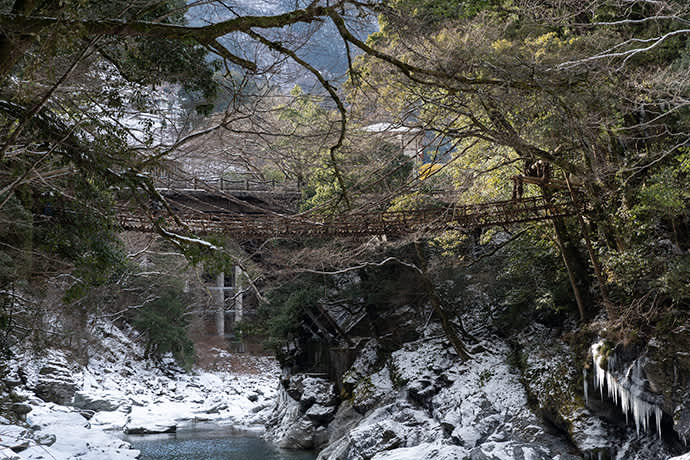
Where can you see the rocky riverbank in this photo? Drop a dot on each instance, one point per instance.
(525, 395)
(422, 402)
(61, 409)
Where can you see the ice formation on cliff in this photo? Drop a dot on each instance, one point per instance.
(628, 392)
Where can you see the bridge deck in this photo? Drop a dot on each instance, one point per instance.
(356, 224)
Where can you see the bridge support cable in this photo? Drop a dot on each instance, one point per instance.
(390, 223)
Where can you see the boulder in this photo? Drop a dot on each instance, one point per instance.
(320, 414)
(45, 439)
(8, 454)
(389, 427)
(20, 409)
(309, 390)
(346, 418)
(56, 382)
(299, 435)
(374, 390)
(151, 428)
(426, 451)
(288, 427)
(96, 403)
(87, 414)
(14, 438)
(513, 450)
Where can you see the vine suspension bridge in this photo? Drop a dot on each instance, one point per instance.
(267, 224)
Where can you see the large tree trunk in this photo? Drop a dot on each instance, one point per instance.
(575, 265)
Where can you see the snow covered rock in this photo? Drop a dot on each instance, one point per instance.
(14, 438)
(45, 439)
(511, 450)
(552, 381)
(20, 409)
(309, 390)
(97, 402)
(156, 418)
(681, 457)
(288, 426)
(426, 404)
(8, 454)
(392, 426)
(346, 418)
(298, 435)
(373, 390)
(364, 365)
(73, 437)
(305, 404)
(425, 451)
(55, 380)
(320, 414)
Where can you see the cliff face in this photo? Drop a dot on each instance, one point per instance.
(530, 393)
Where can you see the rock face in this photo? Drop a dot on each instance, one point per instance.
(305, 406)
(55, 381)
(552, 382)
(667, 368)
(522, 400)
(423, 403)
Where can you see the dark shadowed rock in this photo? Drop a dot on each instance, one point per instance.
(56, 382)
(91, 402)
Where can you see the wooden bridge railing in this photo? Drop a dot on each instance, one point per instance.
(249, 184)
(375, 223)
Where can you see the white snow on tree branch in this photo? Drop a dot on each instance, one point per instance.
(627, 54)
(188, 239)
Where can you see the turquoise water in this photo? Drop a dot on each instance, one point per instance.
(211, 445)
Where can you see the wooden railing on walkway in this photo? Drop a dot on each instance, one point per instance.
(249, 184)
(355, 224)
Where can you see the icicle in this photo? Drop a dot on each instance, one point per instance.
(627, 393)
(599, 373)
(658, 413)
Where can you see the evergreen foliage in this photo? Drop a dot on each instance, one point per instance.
(163, 322)
(280, 317)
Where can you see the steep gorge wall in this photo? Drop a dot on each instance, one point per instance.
(521, 395)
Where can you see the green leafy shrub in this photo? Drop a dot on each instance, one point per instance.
(285, 305)
(163, 323)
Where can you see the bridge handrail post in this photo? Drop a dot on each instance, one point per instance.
(221, 183)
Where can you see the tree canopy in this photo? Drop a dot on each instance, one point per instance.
(583, 101)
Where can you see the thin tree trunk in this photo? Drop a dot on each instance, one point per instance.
(436, 304)
(570, 257)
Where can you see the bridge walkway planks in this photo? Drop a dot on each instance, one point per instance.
(392, 223)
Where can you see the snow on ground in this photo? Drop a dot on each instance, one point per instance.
(118, 391)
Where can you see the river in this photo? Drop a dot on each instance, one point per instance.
(211, 444)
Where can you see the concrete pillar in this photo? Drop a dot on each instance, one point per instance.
(238, 294)
(220, 304)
